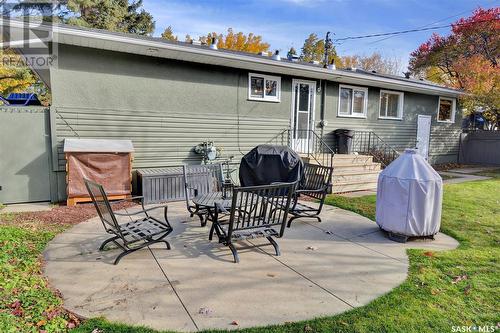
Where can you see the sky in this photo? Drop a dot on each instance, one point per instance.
(286, 23)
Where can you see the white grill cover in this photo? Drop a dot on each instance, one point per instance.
(409, 197)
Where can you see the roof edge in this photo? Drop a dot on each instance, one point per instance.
(306, 69)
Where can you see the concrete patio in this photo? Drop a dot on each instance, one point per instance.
(325, 268)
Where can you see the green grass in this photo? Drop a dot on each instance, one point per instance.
(27, 304)
(460, 287)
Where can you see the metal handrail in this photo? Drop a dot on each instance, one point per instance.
(308, 143)
(368, 142)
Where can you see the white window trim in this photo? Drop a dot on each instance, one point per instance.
(453, 110)
(274, 99)
(365, 104)
(401, 104)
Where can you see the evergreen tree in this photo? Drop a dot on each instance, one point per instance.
(314, 50)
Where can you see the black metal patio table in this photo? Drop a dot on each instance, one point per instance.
(208, 200)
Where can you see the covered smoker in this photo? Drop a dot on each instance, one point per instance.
(107, 162)
(266, 164)
(409, 198)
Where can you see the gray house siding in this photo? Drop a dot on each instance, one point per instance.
(165, 107)
(400, 134)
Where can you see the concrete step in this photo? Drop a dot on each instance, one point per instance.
(352, 158)
(351, 172)
(355, 177)
(352, 187)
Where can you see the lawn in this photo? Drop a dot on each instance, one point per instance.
(444, 289)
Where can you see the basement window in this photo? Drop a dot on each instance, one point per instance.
(353, 101)
(391, 105)
(264, 87)
(446, 110)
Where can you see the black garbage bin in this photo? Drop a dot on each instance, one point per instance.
(343, 137)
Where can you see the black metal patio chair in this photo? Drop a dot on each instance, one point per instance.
(314, 186)
(133, 235)
(202, 179)
(257, 211)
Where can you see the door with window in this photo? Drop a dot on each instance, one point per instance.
(423, 135)
(303, 100)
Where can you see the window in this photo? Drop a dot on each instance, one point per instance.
(353, 101)
(264, 87)
(446, 110)
(391, 104)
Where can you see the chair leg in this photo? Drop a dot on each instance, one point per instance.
(167, 244)
(204, 220)
(275, 245)
(211, 234)
(319, 218)
(107, 241)
(124, 253)
(235, 253)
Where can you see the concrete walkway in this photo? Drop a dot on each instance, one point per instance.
(325, 268)
(27, 207)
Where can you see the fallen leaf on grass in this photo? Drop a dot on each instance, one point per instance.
(459, 278)
(308, 329)
(41, 323)
(18, 312)
(16, 308)
(429, 254)
(73, 321)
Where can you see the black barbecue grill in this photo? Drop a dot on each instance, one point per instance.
(267, 164)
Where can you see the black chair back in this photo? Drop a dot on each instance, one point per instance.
(260, 207)
(202, 179)
(101, 203)
(315, 177)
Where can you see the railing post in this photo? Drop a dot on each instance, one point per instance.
(369, 140)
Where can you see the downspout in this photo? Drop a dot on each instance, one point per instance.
(322, 106)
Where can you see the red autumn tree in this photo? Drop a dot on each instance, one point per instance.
(466, 59)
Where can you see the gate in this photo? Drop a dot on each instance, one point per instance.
(480, 147)
(24, 154)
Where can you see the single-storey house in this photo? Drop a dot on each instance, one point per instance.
(167, 97)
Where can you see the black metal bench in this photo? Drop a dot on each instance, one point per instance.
(255, 212)
(317, 180)
(133, 235)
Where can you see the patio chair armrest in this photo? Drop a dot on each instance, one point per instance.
(324, 188)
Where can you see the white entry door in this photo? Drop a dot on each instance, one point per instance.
(303, 100)
(423, 135)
